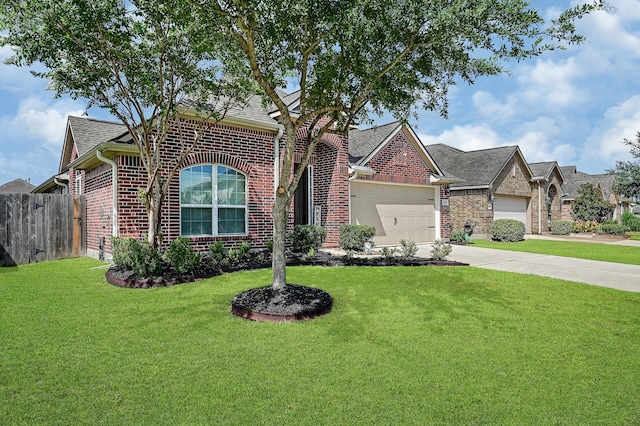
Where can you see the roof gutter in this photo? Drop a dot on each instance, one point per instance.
(114, 194)
(360, 170)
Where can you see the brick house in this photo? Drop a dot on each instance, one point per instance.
(496, 184)
(546, 195)
(604, 182)
(225, 188)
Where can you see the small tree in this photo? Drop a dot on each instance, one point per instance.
(627, 173)
(142, 60)
(590, 205)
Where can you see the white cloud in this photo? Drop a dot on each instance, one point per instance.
(604, 146)
(466, 138)
(45, 125)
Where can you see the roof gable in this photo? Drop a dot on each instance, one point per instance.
(364, 145)
(478, 168)
(546, 170)
(85, 133)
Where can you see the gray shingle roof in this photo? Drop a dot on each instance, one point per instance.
(575, 179)
(364, 142)
(16, 186)
(477, 168)
(543, 169)
(89, 132)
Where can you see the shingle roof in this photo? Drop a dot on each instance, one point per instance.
(543, 169)
(364, 142)
(575, 179)
(89, 132)
(16, 186)
(477, 168)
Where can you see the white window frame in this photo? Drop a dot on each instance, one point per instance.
(214, 206)
(78, 182)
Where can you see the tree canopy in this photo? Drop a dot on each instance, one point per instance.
(354, 58)
(141, 60)
(627, 173)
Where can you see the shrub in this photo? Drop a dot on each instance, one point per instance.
(457, 237)
(409, 248)
(561, 227)
(508, 230)
(440, 250)
(612, 229)
(182, 256)
(303, 238)
(217, 250)
(588, 226)
(138, 256)
(388, 252)
(120, 252)
(631, 221)
(353, 237)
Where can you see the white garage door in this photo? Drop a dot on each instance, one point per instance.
(510, 208)
(398, 212)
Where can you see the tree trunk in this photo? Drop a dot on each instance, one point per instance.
(279, 260)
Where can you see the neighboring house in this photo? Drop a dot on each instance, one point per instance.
(225, 188)
(546, 195)
(17, 186)
(497, 184)
(604, 182)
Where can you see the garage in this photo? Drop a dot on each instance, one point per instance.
(511, 208)
(397, 211)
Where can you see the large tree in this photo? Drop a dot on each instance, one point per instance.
(627, 173)
(352, 58)
(142, 60)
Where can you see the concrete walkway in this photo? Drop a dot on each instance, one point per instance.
(604, 274)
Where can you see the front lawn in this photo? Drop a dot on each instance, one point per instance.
(412, 345)
(580, 250)
(634, 235)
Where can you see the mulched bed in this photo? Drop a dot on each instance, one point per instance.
(293, 303)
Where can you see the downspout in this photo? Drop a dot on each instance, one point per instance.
(62, 184)
(114, 185)
(276, 159)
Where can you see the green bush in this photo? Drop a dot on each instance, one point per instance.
(561, 227)
(182, 256)
(388, 252)
(120, 252)
(508, 230)
(353, 237)
(217, 250)
(303, 238)
(457, 237)
(612, 229)
(631, 221)
(588, 226)
(139, 256)
(440, 250)
(409, 248)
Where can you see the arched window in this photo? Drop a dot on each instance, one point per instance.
(213, 201)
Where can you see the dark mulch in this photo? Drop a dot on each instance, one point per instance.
(258, 260)
(293, 303)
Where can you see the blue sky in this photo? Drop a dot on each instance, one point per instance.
(573, 106)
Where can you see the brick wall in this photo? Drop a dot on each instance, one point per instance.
(471, 204)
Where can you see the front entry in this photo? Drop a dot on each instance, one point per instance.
(301, 199)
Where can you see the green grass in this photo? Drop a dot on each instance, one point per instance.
(581, 250)
(634, 235)
(414, 345)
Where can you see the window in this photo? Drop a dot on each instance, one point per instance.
(213, 201)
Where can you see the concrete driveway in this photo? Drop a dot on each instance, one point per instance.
(604, 274)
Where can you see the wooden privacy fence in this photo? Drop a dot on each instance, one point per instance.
(39, 227)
